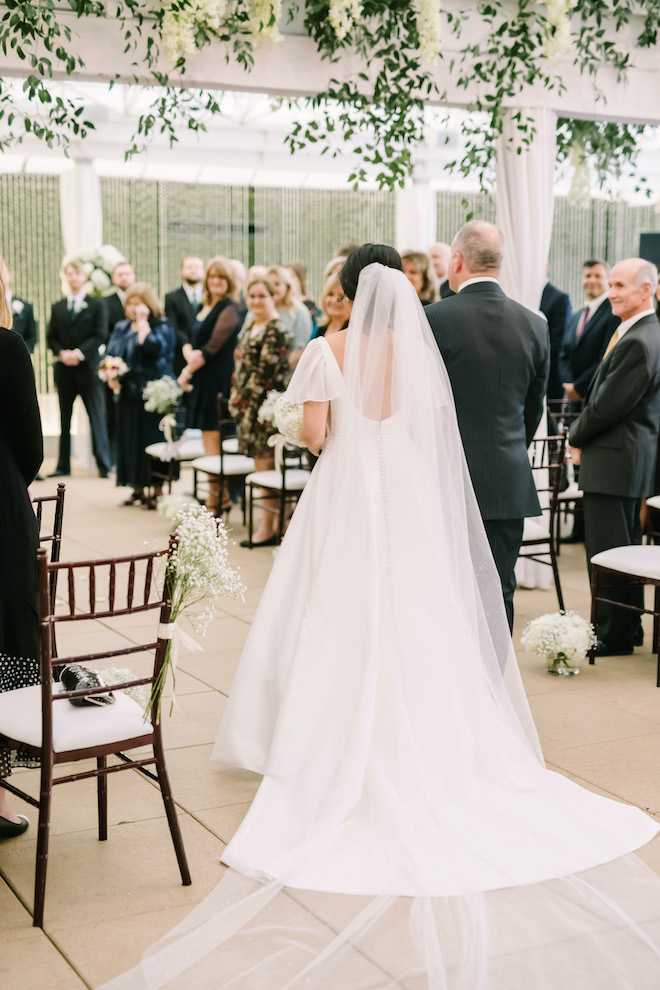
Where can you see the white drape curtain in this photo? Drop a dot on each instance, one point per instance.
(80, 208)
(415, 217)
(525, 203)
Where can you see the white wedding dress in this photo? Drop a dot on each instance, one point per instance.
(379, 696)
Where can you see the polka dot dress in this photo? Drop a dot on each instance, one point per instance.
(16, 672)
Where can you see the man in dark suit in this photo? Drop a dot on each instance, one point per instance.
(556, 307)
(616, 437)
(587, 334)
(183, 304)
(123, 275)
(497, 355)
(21, 311)
(439, 254)
(77, 329)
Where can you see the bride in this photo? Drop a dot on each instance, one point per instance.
(379, 696)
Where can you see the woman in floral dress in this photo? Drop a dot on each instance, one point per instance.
(262, 364)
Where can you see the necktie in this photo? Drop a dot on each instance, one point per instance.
(583, 322)
(613, 340)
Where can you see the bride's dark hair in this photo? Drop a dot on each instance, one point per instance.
(368, 254)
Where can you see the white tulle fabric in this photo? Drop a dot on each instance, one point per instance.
(406, 832)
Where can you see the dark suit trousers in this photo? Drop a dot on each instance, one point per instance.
(613, 521)
(72, 382)
(505, 537)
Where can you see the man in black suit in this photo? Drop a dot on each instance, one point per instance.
(497, 355)
(183, 304)
(21, 311)
(556, 307)
(439, 254)
(123, 275)
(77, 329)
(587, 334)
(616, 437)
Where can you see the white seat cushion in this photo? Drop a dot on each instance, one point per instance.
(654, 501)
(230, 445)
(535, 529)
(184, 450)
(234, 464)
(295, 480)
(571, 494)
(73, 727)
(642, 561)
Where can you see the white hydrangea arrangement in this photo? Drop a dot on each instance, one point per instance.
(562, 638)
(200, 572)
(99, 265)
(161, 395)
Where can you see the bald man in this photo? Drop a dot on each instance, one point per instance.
(497, 354)
(439, 254)
(616, 441)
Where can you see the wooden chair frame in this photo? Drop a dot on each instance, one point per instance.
(55, 536)
(547, 454)
(226, 432)
(137, 598)
(285, 496)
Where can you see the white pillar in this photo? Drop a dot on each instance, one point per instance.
(415, 226)
(81, 216)
(525, 203)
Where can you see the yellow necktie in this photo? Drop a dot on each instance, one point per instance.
(613, 340)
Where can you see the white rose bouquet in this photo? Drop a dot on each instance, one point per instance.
(287, 418)
(562, 638)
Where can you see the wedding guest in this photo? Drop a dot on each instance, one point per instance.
(77, 329)
(294, 316)
(240, 278)
(556, 307)
(183, 304)
(334, 266)
(298, 273)
(21, 311)
(122, 276)
(345, 249)
(439, 254)
(21, 453)
(335, 310)
(145, 341)
(256, 271)
(419, 272)
(262, 365)
(210, 359)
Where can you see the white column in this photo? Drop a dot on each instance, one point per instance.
(81, 216)
(525, 203)
(415, 226)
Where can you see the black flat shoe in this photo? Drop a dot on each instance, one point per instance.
(272, 541)
(59, 474)
(8, 830)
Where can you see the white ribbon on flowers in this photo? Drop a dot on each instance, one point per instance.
(167, 426)
(171, 631)
(278, 443)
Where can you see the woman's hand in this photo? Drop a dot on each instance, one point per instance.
(114, 385)
(187, 351)
(183, 381)
(141, 322)
(195, 361)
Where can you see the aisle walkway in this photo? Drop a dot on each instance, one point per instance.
(107, 902)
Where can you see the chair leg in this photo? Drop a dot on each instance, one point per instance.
(43, 835)
(170, 810)
(594, 595)
(555, 571)
(102, 797)
(250, 511)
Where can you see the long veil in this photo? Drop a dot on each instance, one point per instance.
(431, 746)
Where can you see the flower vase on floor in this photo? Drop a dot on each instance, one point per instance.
(562, 638)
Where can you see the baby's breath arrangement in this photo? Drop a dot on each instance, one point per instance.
(119, 675)
(199, 572)
(563, 638)
(161, 395)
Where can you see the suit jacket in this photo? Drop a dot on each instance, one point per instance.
(617, 429)
(579, 359)
(114, 309)
(556, 307)
(497, 354)
(24, 322)
(445, 291)
(86, 330)
(182, 316)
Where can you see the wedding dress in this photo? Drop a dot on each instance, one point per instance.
(406, 833)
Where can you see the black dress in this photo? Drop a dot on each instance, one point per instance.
(215, 336)
(137, 428)
(21, 453)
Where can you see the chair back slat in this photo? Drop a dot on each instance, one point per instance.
(131, 584)
(148, 578)
(112, 586)
(92, 589)
(71, 585)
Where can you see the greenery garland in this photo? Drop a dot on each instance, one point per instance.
(383, 108)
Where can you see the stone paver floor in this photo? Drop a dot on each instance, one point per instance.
(106, 902)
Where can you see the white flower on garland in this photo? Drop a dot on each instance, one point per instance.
(99, 265)
(558, 28)
(428, 28)
(562, 638)
(264, 21)
(342, 16)
(181, 24)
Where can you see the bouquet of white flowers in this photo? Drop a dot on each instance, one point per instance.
(112, 368)
(162, 396)
(563, 638)
(199, 571)
(287, 418)
(99, 265)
